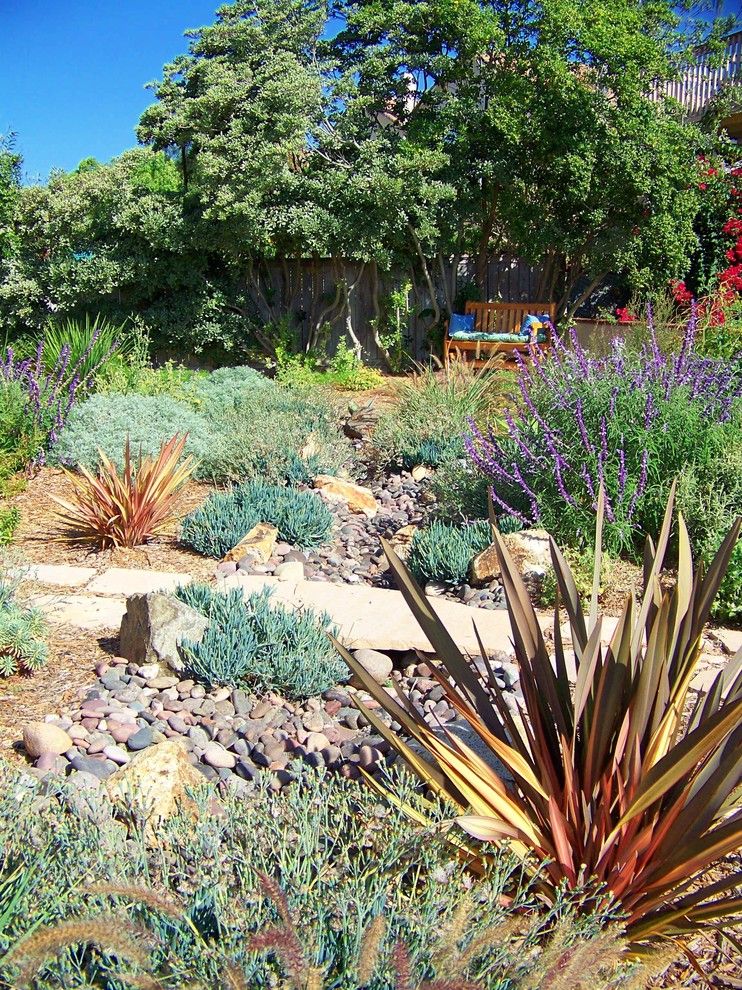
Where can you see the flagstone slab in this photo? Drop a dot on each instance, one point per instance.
(377, 618)
(82, 611)
(730, 639)
(130, 581)
(64, 575)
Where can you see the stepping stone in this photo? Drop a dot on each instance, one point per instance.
(82, 611)
(129, 581)
(730, 639)
(60, 574)
(377, 618)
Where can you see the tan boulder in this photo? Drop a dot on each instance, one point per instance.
(529, 549)
(485, 566)
(402, 540)
(259, 543)
(44, 737)
(156, 782)
(357, 498)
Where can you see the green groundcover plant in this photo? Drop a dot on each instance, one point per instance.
(22, 644)
(256, 642)
(218, 525)
(79, 888)
(443, 551)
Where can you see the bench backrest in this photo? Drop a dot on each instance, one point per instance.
(502, 317)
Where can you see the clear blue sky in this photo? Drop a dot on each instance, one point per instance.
(72, 72)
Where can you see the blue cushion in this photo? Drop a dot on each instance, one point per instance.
(461, 323)
(530, 326)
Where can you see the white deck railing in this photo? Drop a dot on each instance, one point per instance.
(701, 81)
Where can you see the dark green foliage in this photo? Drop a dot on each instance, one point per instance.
(443, 551)
(263, 646)
(301, 518)
(22, 647)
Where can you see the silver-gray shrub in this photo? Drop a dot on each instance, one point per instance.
(260, 644)
(103, 422)
(266, 432)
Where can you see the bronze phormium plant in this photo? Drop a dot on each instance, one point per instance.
(127, 509)
(613, 778)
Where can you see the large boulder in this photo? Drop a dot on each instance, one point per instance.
(258, 545)
(529, 549)
(42, 738)
(156, 783)
(154, 625)
(358, 499)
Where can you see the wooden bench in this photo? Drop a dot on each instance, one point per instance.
(497, 318)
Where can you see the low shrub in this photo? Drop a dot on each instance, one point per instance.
(10, 517)
(344, 371)
(227, 389)
(342, 858)
(433, 409)
(631, 422)
(459, 487)
(302, 518)
(443, 551)
(134, 378)
(130, 509)
(103, 422)
(710, 498)
(261, 645)
(264, 430)
(22, 647)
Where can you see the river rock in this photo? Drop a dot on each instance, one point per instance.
(42, 737)
(376, 664)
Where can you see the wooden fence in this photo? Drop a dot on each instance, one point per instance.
(508, 279)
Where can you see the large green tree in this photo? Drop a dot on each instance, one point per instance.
(543, 114)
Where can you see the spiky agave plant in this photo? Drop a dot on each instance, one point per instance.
(127, 509)
(612, 777)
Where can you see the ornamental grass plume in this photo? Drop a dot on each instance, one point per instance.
(130, 509)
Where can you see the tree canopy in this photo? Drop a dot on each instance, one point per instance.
(396, 137)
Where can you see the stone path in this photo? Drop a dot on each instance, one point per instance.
(367, 618)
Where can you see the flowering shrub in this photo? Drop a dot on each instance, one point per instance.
(40, 399)
(632, 422)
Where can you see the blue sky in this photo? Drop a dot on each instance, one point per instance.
(72, 72)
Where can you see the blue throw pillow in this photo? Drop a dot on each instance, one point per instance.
(461, 323)
(530, 326)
